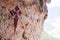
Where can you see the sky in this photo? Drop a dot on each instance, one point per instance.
(52, 23)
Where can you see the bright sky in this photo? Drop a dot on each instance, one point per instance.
(54, 3)
(52, 24)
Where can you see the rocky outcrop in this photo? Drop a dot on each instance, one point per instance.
(22, 19)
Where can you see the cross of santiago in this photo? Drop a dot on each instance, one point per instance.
(15, 14)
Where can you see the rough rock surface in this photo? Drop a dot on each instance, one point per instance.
(22, 19)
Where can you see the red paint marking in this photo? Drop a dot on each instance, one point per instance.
(15, 23)
(14, 13)
(15, 19)
(19, 13)
(11, 12)
(16, 8)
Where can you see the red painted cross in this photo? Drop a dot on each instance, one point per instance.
(15, 14)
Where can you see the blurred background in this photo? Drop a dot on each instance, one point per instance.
(52, 23)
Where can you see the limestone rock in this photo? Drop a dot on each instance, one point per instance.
(22, 19)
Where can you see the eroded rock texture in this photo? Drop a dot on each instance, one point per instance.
(22, 19)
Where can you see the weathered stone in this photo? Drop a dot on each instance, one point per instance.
(30, 14)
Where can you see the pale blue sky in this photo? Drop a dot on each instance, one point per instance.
(52, 23)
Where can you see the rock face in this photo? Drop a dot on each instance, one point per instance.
(22, 19)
